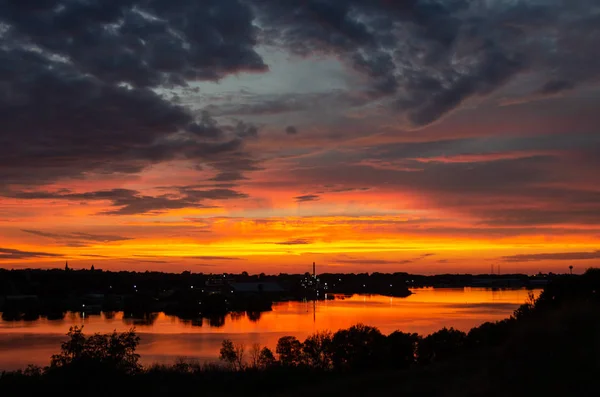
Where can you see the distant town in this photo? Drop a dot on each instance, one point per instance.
(33, 293)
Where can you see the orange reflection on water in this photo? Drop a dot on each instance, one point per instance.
(165, 338)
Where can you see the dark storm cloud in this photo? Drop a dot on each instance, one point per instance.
(78, 236)
(306, 198)
(291, 130)
(135, 203)
(562, 211)
(483, 149)
(132, 202)
(229, 176)
(555, 86)
(504, 182)
(562, 256)
(211, 194)
(248, 104)
(83, 84)
(80, 84)
(465, 178)
(145, 43)
(429, 56)
(7, 253)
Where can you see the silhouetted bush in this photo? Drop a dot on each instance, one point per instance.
(110, 351)
(290, 351)
(441, 345)
(490, 334)
(358, 347)
(401, 350)
(232, 354)
(317, 350)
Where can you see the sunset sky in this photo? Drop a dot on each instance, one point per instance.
(425, 136)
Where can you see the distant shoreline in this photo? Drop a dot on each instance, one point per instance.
(29, 294)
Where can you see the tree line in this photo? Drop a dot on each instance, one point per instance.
(361, 348)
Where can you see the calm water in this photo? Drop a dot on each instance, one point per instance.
(168, 338)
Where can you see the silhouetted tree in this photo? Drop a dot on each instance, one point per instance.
(401, 351)
(489, 334)
(232, 354)
(266, 358)
(255, 355)
(317, 350)
(289, 350)
(112, 351)
(441, 345)
(527, 308)
(227, 352)
(358, 347)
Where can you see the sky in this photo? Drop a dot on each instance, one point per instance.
(423, 136)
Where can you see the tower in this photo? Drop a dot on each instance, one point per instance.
(66, 265)
(314, 270)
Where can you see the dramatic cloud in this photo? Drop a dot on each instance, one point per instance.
(239, 128)
(306, 198)
(80, 88)
(430, 56)
(7, 253)
(79, 236)
(77, 239)
(562, 256)
(83, 83)
(131, 202)
(229, 176)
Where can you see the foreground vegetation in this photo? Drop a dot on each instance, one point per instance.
(549, 347)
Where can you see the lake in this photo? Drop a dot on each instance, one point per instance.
(166, 338)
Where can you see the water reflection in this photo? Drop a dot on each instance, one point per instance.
(140, 319)
(217, 321)
(254, 316)
(56, 316)
(236, 316)
(165, 337)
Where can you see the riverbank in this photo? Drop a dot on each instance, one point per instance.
(549, 347)
(164, 338)
(30, 294)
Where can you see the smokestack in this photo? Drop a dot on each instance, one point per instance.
(314, 270)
